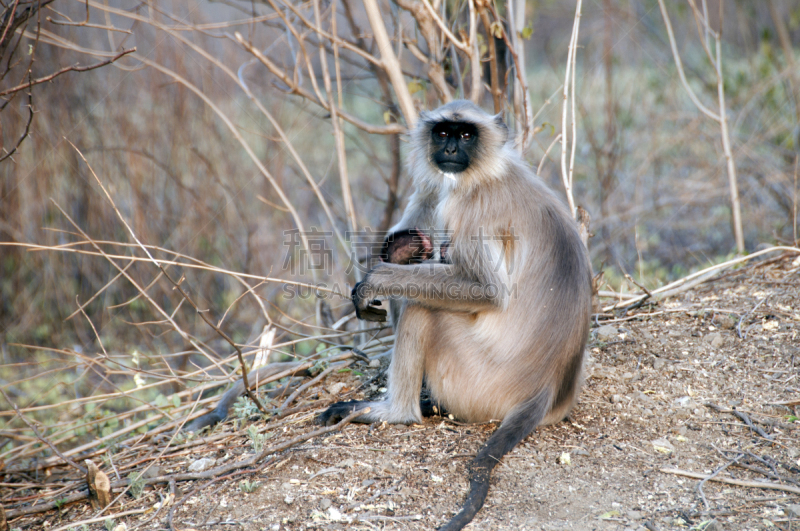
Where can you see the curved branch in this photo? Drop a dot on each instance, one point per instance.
(705, 110)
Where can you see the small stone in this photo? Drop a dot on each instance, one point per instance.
(347, 463)
(713, 525)
(662, 446)
(714, 339)
(289, 499)
(682, 413)
(607, 332)
(674, 333)
(634, 515)
(615, 399)
(202, 464)
(336, 388)
(581, 451)
(367, 482)
(793, 509)
(325, 503)
(627, 376)
(684, 401)
(658, 364)
(726, 321)
(386, 468)
(152, 472)
(375, 364)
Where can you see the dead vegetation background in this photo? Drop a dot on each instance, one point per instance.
(185, 186)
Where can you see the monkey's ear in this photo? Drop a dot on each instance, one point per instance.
(501, 125)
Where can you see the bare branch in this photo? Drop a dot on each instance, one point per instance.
(674, 47)
(75, 68)
(390, 62)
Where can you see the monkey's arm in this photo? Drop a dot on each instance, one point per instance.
(435, 285)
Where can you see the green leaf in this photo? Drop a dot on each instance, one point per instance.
(527, 32)
(415, 86)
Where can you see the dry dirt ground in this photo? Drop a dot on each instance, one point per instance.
(733, 343)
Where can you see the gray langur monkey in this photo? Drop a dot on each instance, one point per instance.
(498, 329)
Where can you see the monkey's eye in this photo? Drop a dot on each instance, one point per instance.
(442, 134)
(466, 136)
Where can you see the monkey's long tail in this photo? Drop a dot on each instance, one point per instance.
(515, 427)
(220, 412)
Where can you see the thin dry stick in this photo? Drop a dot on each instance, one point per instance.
(64, 70)
(738, 231)
(311, 383)
(494, 75)
(705, 110)
(681, 284)
(522, 103)
(341, 154)
(794, 203)
(390, 63)
(711, 476)
(476, 69)
(458, 43)
(544, 157)
(731, 481)
(567, 173)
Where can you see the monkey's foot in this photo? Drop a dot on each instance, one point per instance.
(340, 410)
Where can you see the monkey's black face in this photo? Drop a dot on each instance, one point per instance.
(453, 145)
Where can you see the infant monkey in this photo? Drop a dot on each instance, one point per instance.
(410, 246)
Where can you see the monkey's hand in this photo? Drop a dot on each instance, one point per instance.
(363, 296)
